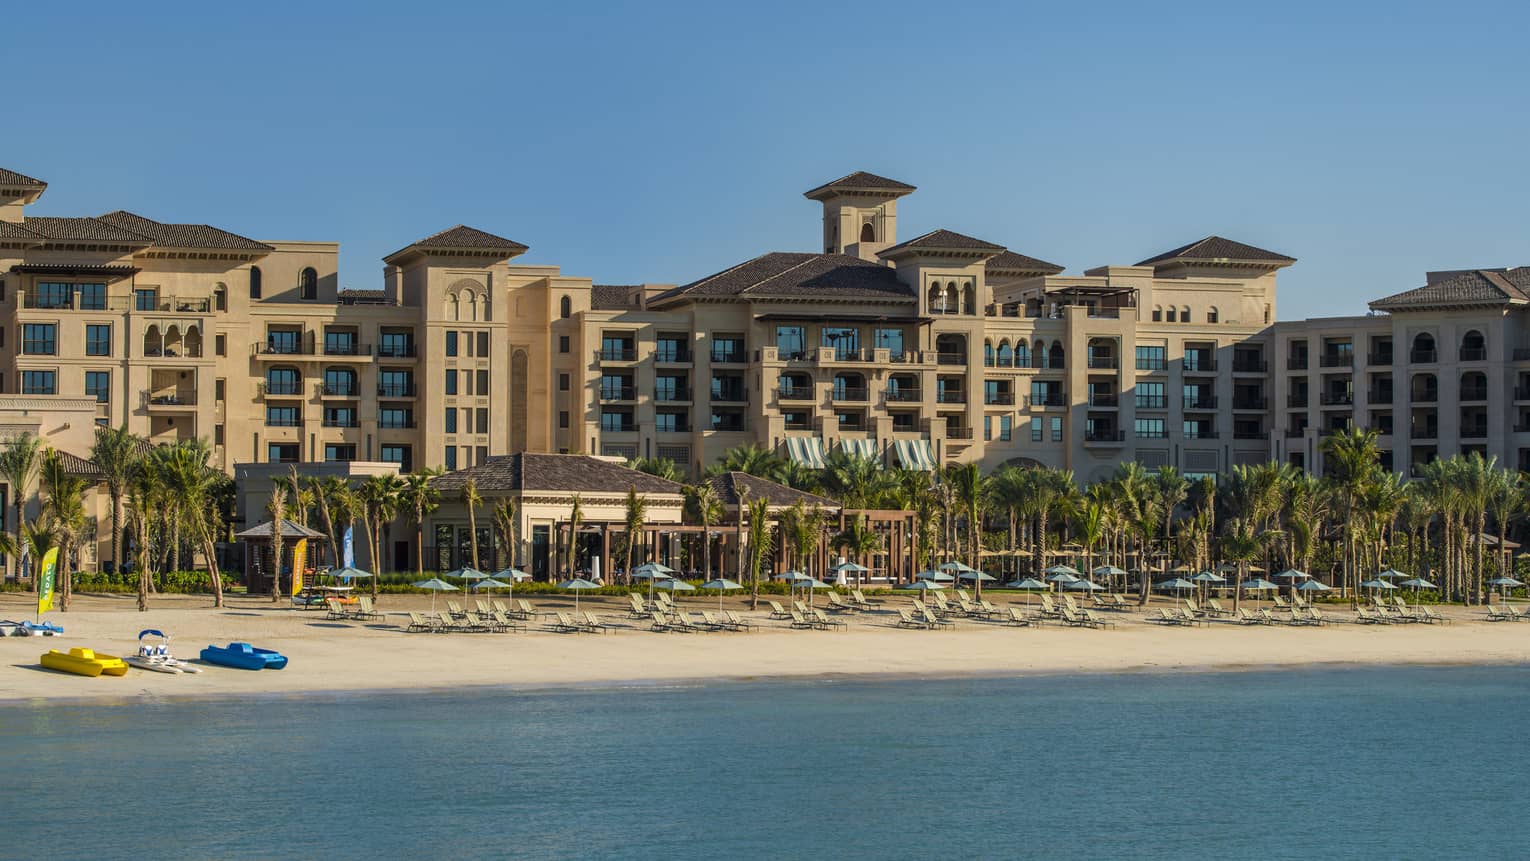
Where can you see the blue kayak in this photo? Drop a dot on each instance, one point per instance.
(244, 656)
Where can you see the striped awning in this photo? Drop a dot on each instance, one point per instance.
(866, 448)
(915, 454)
(806, 450)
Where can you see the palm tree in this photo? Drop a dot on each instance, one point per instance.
(1307, 508)
(472, 500)
(969, 488)
(1009, 490)
(117, 453)
(575, 518)
(760, 546)
(378, 499)
(20, 458)
(184, 470)
(858, 540)
(662, 467)
(418, 496)
(855, 481)
(1052, 491)
(329, 499)
(507, 529)
(755, 460)
(913, 491)
(278, 515)
(637, 514)
(1089, 529)
(143, 491)
(1352, 459)
(706, 509)
(64, 513)
(1507, 501)
(1169, 489)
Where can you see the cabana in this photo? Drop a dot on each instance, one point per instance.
(297, 541)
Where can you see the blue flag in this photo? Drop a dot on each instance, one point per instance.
(350, 549)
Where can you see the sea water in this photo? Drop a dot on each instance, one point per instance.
(1379, 763)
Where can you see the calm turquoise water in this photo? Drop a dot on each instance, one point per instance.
(1251, 765)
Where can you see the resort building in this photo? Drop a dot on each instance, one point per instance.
(940, 348)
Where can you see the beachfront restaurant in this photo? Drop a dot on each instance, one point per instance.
(545, 488)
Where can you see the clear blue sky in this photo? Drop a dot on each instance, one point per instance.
(661, 142)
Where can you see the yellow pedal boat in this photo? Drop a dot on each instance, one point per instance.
(84, 662)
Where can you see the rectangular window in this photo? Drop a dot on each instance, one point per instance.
(340, 343)
(394, 418)
(615, 421)
(39, 382)
(563, 419)
(49, 295)
(483, 420)
(450, 457)
(220, 345)
(791, 341)
(282, 452)
(482, 386)
(1151, 358)
(451, 419)
(1006, 427)
(988, 428)
(563, 343)
(98, 385)
(890, 340)
(670, 422)
(340, 417)
(483, 345)
(146, 299)
(1150, 429)
(39, 339)
(480, 453)
(1150, 396)
(727, 349)
(563, 382)
(451, 344)
(217, 434)
(282, 417)
(395, 384)
(451, 381)
(845, 340)
(92, 297)
(334, 451)
(98, 339)
(399, 454)
(1036, 430)
(284, 342)
(1056, 429)
(218, 389)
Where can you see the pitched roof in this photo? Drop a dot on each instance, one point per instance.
(571, 473)
(1010, 261)
(807, 276)
(1472, 287)
(463, 238)
(860, 181)
(729, 485)
(182, 235)
(944, 240)
(611, 297)
(1217, 248)
(14, 231)
(76, 465)
(290, 529)
(83, 230)
(12, 179)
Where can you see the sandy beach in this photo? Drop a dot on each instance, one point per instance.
(349, 656)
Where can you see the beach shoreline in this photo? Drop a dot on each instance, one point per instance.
(350, 658)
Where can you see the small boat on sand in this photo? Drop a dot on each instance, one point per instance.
(84, 662)
(244, 656)
(29, 629)
(156, 656)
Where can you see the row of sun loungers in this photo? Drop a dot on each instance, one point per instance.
(364, 611)
(470, 623)
(1506, 613)
(688, 623)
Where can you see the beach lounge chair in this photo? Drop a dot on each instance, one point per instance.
(1247, 618)
(861, 600)
(1515, 614)
(1300, 603)
(419, 624)
(777, 612)
(1267, 618)
(1194, 608)
(1071, 604)
(826, 623)
(736, 622)
(1119, 603)
(934, 621)
(801, 621)
(1098, 621)
(801, 607)
(1048, 609)
(593, 624)
(1366, 617)
(484, 622)
(1280, 603)
(1497, 615)
(563, 623)
(638, 609)
(500, 606)
(365, 610)
(455, 609)
(1074, 620)
(483, 606)
(711, 622)
(1316, 615)
(1164, 617)
(659, 623)
(528, 612)
(1431, 616)
(336, 610)
(990, 609)
(907, 620)
(506, 623)
(839, 605)
(1297, 618)
(941, 604)
(1214, 607)
(1016, 620)
(663, 598)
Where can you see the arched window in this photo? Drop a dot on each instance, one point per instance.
(220, 296)
(453, 311)
(1426, 388)
(1184, 314)
(1006, 354)
(1474, 386)
(1157, 314)
(1211, 314)
(1055, 355)
(969, 299)
(1022, 355)
(469, 302)
(254, 282)
(308, 283)
(1040, 359)
(1172, 314)
(484, 308)
(868, 233)
(987, 354)
(1473, 347)
(565, 307)
(1423, 348)
(937, 299)
(953, 299)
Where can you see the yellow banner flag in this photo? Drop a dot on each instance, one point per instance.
(299, 560)
(46, 571)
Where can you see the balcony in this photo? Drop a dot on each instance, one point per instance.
(1521, 354)
(1151, 364)
(1338, 360)
(1152, 402)
(1473, 354)
(1104, 363)
(672, 356)
(999, 399)
(1203, 402)
(1522, 393)
(848, 394)
(1248, 435)
(729, 357)
(1249, 366)
(1378, 359)
(1337, 399)
(342, 423)
(1425, 432)
(397, 351)
(618, 393)
(951, 358)
(1477, 431)
(951, 396)
(166, 402)
(283, 422)
(1423, 357)
(1049, 399)
(395, 390)
(1296, 363)
(849, 354)
(1295, 433)
(330, 391)
(616, 354)
(1474, 393)
(958, 433)
(1379, 396)
(671, 394)
(1426, 396)
(1249, 403)
(730, 396)
(903, 395)
(1522, 426)
(1298, 401)
(729, 424)
(1104, 399)
(795, 393)
(1104, 437)
(1200, 434)
(347, 349)
(396, 424)
(1200, 366)
(281, 388)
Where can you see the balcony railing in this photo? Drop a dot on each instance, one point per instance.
(1475, 393)
(998, 399)
(1152, 402)
(1521, 354)
(1378, 359)
(1522, 427)
(396, 424)
(1338, 360)
(1427, 432)
(350, 391)
(1425, 396)
(671, 355)
(1203, 402)
(1474, 432)
(1337, 399)
(795, 393)
(282, 388)
(395, 390)
(1296, 400)
(280, 422)
(1200, 366)
(187, 398)
(1200, 434)
(1103, 399)
(1050, 399)
(1293, 433)
(958, 432)
(903, 395)
(341, 423)
(396, 351)
(1296, 363)
(1246, 434)
(848, 393)
(616, 355)
(671, 393)
(1247, 403)
(730, 396)
(1423, 357)
(1473, 354)
(1151, 364)
(1107, 363)
(1378, 396)
(618, 393)
(1249, 366)
(347, 349)
(729, 357)
(1104, 436)
(951, 358)
(951, 396)
(1522, 393)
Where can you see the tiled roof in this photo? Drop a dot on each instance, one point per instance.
(84, 230)
(290, 529)
(76, 465)
(944, 240)
(611, 297)
(463, 237)
(569, 473)
(12, 179)
(860, 181)
(1217, 248)
(1472, 287)
(1009, 261)
(729, 484)
(13, 231)
(182, 235)
(779, 273)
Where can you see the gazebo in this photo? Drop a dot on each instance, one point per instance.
(258, 567)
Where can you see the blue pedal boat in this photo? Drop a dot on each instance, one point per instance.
(244, 656)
